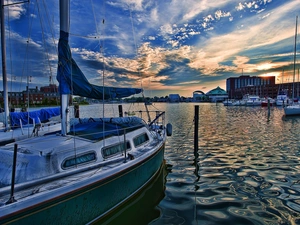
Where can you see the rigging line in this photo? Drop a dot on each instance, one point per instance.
(10, 54)
(295, 49)
(44, 39)
(134, 40)
(84, 36)
(51, 27)
(27, 47)
(137, 54)
(101, 50)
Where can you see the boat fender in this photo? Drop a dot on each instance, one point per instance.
(169, 129)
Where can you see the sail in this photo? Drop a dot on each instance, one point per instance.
(72, 80)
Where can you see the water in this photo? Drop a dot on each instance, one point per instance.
(246, 170)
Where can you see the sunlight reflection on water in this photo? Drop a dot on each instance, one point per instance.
(248, 166)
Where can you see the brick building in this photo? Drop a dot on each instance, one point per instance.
(237, 87)
(33, 96)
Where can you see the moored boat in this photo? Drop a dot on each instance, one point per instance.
(292, 110)
(267, 102)
(253, 100)
(282, 98)
(228, 102)
(55, 185)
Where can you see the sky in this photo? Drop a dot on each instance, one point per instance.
(165, 47)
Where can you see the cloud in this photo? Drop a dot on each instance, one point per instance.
(219, 14)
(15, 11)
(175, 44)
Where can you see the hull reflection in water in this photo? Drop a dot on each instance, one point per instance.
(142, 208)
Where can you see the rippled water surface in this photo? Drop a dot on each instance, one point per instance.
(246, 170)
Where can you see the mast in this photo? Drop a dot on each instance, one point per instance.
(64, 14)
(295, 49)
(4, 75)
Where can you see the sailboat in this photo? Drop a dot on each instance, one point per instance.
(21, 125)
(90, 169)
(294, 108)
(282, 96)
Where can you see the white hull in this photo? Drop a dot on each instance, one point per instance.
(292, 110)
(49, 185)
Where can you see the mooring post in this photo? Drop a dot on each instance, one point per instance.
(76, 111)
(13, 175)
(125, 146)
(120, 111)
(196, 123)
(269, 104)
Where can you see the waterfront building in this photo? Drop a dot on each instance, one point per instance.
(237, 87)
(33, 96)
(217, 95)
(51, 94)
(199, 96)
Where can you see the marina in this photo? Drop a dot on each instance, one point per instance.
(110, 154)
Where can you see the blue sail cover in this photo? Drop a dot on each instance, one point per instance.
(72, 80)
(42, 115)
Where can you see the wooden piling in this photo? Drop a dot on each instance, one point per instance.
(196, 128)
(76, 111)
(120, 111)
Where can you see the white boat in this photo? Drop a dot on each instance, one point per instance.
(240, 102)
(292, 110)
(90, 169)
(228, 102)
(253, 100)
(19, 125)
(282, 98)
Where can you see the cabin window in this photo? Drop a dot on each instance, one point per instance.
(112, 150)
(78, 160)
(141, 139)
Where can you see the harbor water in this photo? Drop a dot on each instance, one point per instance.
(246, 170)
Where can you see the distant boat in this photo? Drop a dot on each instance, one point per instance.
(93, 167)
(282, 98)
(240, 102)
(228, 102)
(253, 100)
(267, 101)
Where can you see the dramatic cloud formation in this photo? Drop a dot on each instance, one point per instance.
(176, 46)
